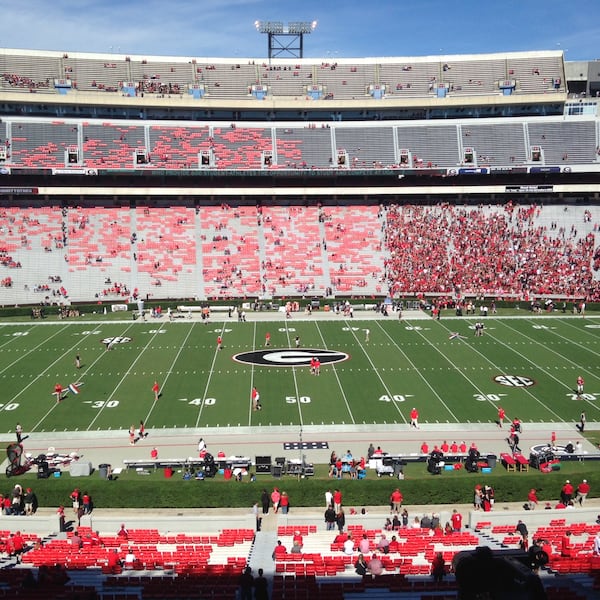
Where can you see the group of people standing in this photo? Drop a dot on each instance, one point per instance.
(19, 501)
(276, 499)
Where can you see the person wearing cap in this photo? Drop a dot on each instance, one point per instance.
(298, 538)
(583, 489)
(30, 502)
(566, 494)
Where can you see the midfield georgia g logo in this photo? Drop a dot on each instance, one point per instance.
(288, 357)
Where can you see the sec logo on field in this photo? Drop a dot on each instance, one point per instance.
(288, 357)
(115, 340)
(514, 380)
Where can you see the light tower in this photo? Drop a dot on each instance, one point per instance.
(285, 41)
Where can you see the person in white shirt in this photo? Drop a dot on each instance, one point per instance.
(596, 547)
(349, 545)
(129, 559)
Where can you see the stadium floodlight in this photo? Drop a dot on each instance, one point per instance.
(286, 40)
(269, 26)
(301, 26)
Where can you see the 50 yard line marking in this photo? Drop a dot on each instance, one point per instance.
(336, 375)
(252, 377)
(287, 332)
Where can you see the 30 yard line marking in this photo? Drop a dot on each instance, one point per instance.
(55, 404)
(126, 374)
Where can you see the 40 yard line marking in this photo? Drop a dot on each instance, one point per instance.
(418, 371)
(375, 370)
(170, 369)
(212, 370)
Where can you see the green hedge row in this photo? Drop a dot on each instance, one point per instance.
(131, 490)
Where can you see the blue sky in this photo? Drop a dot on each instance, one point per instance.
(346, 29)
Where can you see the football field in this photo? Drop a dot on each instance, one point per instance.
(372, 372)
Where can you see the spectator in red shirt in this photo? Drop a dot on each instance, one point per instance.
(566, 549)
(424, 448)
(337, 500)
(17, 544)
(113, 562)
(463, 448)
(456, 519)
(583, 489)
(123, 533)
(396, 500)
(297, 539)
(453, 447)
(532, 498)
(279, 551)
(566, 494)
(444, 447)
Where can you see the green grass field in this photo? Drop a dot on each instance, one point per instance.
(528, 365)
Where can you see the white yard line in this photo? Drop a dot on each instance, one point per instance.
(210, 374)
(169, 372)
(287, 331)
(416, 369)
(337, 376)
(124, 376)
(26, 354)
(375, 369)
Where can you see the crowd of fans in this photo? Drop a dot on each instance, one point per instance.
(487, 251)
(503, 251)
(21, 81)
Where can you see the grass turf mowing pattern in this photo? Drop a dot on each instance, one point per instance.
(403, 364)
